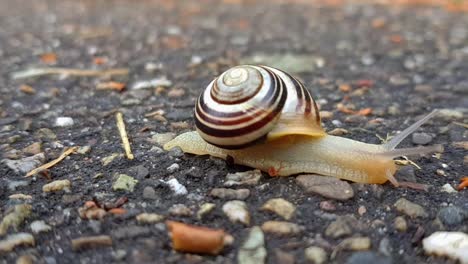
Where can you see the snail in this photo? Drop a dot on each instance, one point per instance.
(264, 118)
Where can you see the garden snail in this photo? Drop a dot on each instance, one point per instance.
(263, 118)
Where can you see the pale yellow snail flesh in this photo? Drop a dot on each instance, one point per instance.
(288, 154)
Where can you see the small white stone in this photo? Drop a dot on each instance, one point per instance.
(176, 187)
(173, 168)
(448, 188)
(237, 211)
(39, 226)
(451, 244)
(64, 121)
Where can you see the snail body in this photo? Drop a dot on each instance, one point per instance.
(290, 139)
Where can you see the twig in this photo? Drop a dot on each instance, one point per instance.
(52, 163)
(123, 135)
(67, 71)
(460, 124)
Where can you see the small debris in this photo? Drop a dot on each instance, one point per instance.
(355, 243)
(147, 218)
(411, 209)
(450, 244)
(450, 114)
(281, 207)
(52, 163)
(64, 121)
(251, 177)
(463, 183)
(329, 187)
(175, 93)
(40, 226)
(91, 242)
(253, 250)
(338, 132)
(56, 186)
(205, 209)
(149, 193)
(176, 187)
(237, 211)
(123, 135)
(326, 115)
(15, 218)
(91, 211)
(197, 239)
(157, 82)
(66, 71)
(400, 224)
(327, 206)
(316, 255)
(230, 194)
(124, 183)
(281, 228)
(19, 239)
(116, 86)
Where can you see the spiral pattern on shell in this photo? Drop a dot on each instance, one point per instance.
(244, 104)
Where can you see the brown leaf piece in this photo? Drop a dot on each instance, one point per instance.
(197, 239)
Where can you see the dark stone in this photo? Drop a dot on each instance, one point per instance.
(451, 215)
(368, 257)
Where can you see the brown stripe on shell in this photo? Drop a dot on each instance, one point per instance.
(226, 133)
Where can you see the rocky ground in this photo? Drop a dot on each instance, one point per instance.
(373, 70)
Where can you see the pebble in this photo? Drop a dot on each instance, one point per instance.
(56, 186)
(450, 244)
(176, 187)
(398, 80)
(83, 150)
(448, 188)
(342, 226)
(180, 210)
(237, 211)
(149, 218)
(205, 209)
(327, 206)
(175, 93)
(410, 209)
(149, 193)
(45, 133)
(153, 83)
(140, 172)
(173, 168)
(13, 185)
(450, 114)
(338, 132)
(64, 121)
(91, 242)
(124, 183)
(400, 224)
(284, 257)
(326, 115)
(329, 187)
(253, 250)
(71, 198)
(316, 255)
(18, 239)
(421, 138)
(281, 207)
(107, 160)
(281, 228)
(230, 194)
(25, 165)
(251, 177)
(356, 243)
(368, 257)
(452, 215)
(15, 218)
(406, 173)
(385, 247)
(26, 259)
(33, 149)
(40, 226)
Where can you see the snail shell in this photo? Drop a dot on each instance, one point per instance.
(247, 103)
